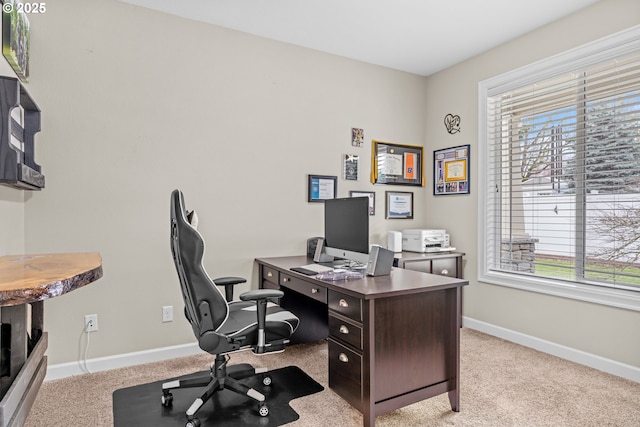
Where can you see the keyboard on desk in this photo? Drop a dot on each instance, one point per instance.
(311, 269)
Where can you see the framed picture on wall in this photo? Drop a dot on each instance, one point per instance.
(16, 38)
(451, 171)
(399, 204)
(397, 164)
(350, 166)
(322, 187)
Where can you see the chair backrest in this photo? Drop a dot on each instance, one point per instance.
(205, 306)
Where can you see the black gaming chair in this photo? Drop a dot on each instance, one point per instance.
(219, 325)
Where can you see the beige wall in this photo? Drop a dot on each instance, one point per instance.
(12, 240)
(12, 223)
(596, 329)
(136, 103)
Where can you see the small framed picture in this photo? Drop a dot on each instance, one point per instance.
(350, 166)
(322, 187)
(399, 204)
(372, 199)
(357, 137)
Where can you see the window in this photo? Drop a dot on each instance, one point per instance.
(560, 181)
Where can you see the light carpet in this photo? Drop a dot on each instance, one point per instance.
(502, 384)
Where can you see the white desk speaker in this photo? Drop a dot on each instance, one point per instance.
(394, 241)
(380, 261)
(320, 255)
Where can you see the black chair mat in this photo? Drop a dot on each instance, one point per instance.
(141, 405)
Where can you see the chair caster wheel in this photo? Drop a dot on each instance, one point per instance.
(266, 380)
(263, 410)
(193, 423)
(167, 400)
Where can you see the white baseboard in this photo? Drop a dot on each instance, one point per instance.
(64, 370)
(632, 373)
(597, 362)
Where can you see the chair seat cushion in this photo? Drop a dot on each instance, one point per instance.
(243, 321)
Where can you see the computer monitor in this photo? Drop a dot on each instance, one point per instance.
(346, 228)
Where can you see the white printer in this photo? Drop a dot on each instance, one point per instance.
(426, 241)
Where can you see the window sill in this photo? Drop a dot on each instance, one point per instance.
(620, 298)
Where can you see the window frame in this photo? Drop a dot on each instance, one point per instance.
(607, 48)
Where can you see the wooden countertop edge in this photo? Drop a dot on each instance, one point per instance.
(55, 288)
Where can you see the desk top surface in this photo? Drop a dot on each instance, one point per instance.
(29, 278)
(417, 256)
(399, 282)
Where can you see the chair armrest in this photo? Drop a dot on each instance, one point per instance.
(228, 283)
(261, 294)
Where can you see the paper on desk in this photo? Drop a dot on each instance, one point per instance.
(336, 275)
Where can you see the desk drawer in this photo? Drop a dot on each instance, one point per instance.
(345, 373)
(270, 275)
(346, 305)
(345, 331)
(312, 290)
(422, 265)
(445, 267)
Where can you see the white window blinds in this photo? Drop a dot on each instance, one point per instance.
(562, 161)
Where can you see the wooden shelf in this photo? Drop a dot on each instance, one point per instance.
(17, 164)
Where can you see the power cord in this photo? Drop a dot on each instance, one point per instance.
(83, 361)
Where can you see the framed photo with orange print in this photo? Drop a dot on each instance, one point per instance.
(396, 164)
(451, 171)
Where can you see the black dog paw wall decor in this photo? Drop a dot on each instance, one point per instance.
(452, 123)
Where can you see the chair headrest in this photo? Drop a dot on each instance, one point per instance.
(192, 217)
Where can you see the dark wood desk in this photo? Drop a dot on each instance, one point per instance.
(393, 340)
(25, 281)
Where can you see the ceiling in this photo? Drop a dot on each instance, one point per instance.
(417, 36)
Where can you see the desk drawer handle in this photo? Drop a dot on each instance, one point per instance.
(285, 279)
(314, 290)
(343, 358)
(444, 272)
(344, 329)
(269, 274)
(343, 303)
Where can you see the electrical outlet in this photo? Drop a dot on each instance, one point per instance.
(90, 322)
(167, 313)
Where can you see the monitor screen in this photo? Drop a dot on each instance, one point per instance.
(346, 224)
